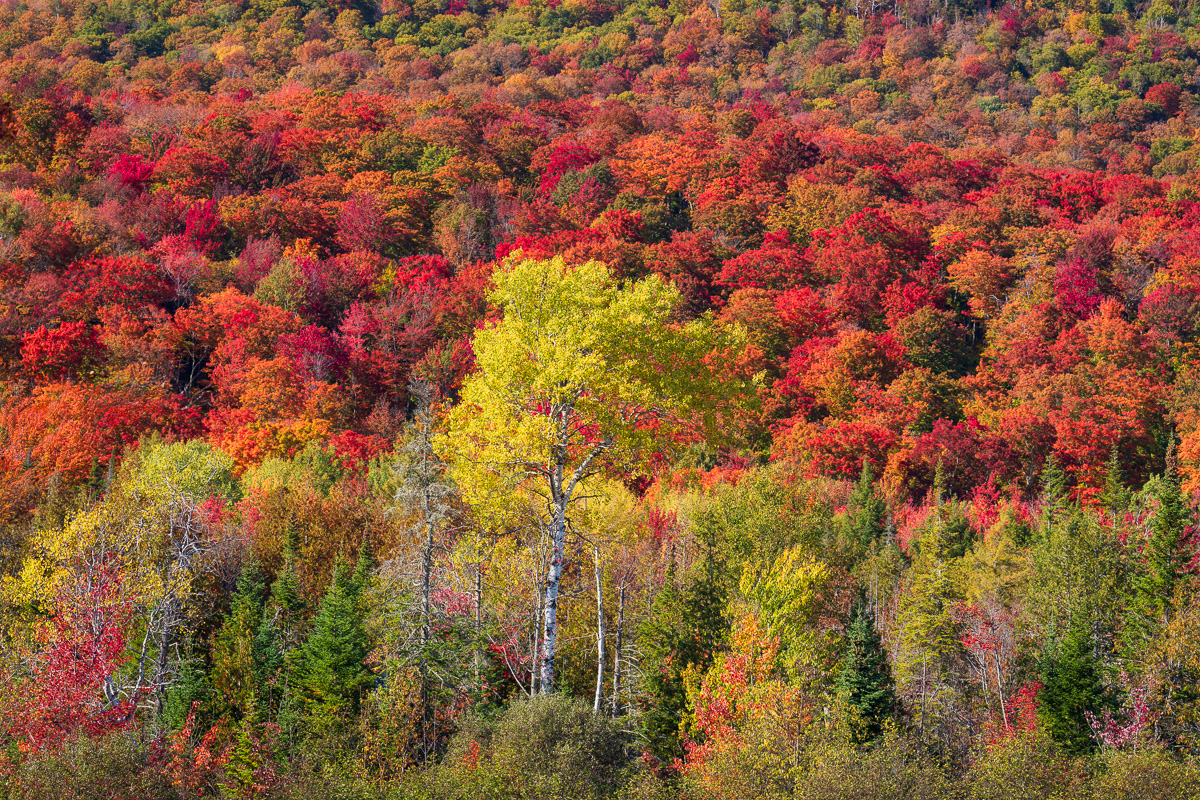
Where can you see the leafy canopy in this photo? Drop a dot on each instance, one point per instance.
(581, 374)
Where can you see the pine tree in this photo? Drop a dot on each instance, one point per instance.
(868, 513)
(866, 678)
(1071, 689)
(233, 671)
(1164, 553)
(685, 630)
(334, 674)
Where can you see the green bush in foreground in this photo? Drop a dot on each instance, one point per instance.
(542, 748)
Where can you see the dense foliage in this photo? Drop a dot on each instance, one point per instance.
(591, 399)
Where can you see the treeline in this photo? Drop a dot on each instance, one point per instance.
(1097, 86)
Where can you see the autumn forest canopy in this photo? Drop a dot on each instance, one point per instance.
(590, 399)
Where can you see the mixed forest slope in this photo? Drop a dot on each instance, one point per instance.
(794, 399)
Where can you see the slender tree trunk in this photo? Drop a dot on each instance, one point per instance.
(983, 676)
(924, 686)
(479, 626)
(599, 637)
(426, 603)
(616, 682)
(558, 534)
(426, 610)
(161, 668)
(1000, 691)
(535, 647)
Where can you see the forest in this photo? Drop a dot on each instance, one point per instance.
(599, 399)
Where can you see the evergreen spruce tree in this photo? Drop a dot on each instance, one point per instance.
(334, 675)
(361, 576)
(243, 762)
(1054, 491)
(277, 642)
(191, 685)
(233, 670)
(1115, 497)
(685, 630)
(1164, 554)
(868, 513)
(866, 678)
(939, 484)
(1071, 689)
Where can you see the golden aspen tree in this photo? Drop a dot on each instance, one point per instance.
(581, 375)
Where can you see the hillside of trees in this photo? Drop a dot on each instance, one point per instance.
(590, 399)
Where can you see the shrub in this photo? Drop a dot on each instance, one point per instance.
(105, 768)
(544, 748)
(1025, 766)
(894, 767)
(1146, 775)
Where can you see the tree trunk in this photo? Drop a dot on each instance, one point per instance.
(924, 686)
(558, 535)
(478, 624)
(1000, 691)
(426, 604)
(599, 638)
(535, 638)
(616, 687)
(426, 610)
(161, 667)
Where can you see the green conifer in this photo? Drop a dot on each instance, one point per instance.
(939, 484)
(868, 513)
(1054, 493)
(334, 673)
(233, 670)
(278, 639)
(685, 629)
(1164, 553)
(1071, 689)
(866, 678)
(1115, 497)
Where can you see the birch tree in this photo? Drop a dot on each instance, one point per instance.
(581, 375)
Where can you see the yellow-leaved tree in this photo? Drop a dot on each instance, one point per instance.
(160, 526)
(582, 376)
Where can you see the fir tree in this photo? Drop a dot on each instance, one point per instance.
(1054, 489)
(334, 674)
(1115, 497)
(684, 632)
(868, 513)
(278, 641)
(1071, 689)
(191, 685)
(866, 678)
(939, 484)
(361, 576)
(233, 671)
(241, 763)
(1164, 554)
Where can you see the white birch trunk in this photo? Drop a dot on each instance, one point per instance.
(599, 637)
